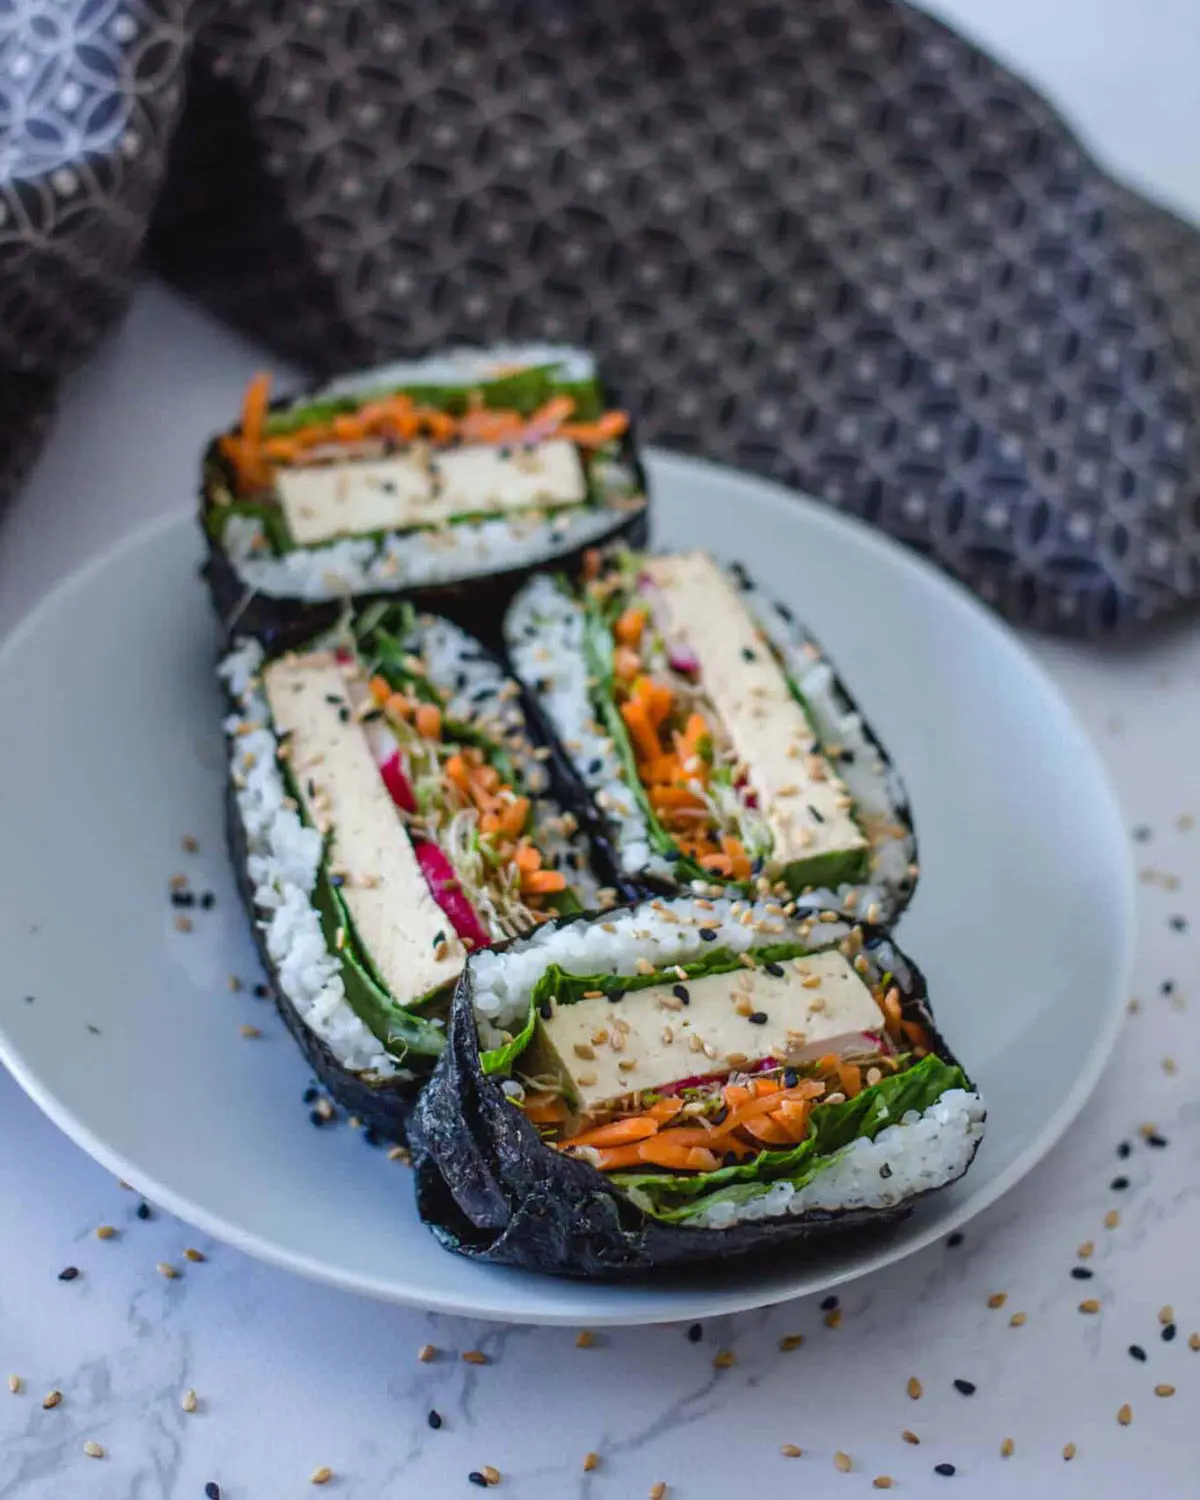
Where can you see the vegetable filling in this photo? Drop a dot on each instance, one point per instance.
(713, 735)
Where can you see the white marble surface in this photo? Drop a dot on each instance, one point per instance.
(291, 1376)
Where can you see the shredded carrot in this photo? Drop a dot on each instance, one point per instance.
(546, 1110)
(850, 1079)
(616, 1158)
(514, 816)
(644, 738)
(890, 1005)
(626, 664)
(380, 689)
(628, 629)
(543, 882)
(429, 721)
(665, 1109)
(527, 858)
(661, 1151)
(618, 1132)
(595, 434)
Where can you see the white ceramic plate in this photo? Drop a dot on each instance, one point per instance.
(111, 752)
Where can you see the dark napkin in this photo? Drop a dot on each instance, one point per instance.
(829, 241)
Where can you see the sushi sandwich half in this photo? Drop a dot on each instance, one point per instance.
(714, 735)
(388, 815)
(683, 1081)
(444, 479)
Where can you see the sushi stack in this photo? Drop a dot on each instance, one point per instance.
(592, 905)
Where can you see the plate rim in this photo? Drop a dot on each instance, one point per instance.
(662, 464)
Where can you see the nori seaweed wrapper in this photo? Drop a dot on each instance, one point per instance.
(492, 1190)
(476, 602)
(385, 1103)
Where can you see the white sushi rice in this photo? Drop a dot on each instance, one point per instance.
(404, 560)
(919, 1152)
(544, 634)
(284, 857)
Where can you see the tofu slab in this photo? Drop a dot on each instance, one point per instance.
(420, 488)
(802, 1021)
(393, 911)
(802, 799)
(332, 500)
(494, 480)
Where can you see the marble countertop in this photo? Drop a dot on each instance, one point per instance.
(291, 1376)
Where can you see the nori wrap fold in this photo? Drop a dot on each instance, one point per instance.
(367, 870)
(714, 735)
(372, 434)
(493, 1187)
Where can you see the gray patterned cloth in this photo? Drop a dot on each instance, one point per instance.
(829, 241)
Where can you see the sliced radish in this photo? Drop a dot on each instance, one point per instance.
(397, 783)
(444, 887)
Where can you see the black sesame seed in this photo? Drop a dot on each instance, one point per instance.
(965, 1387)
(337, 881)
(1124, 1149)
(706, 935)
(143, 1211)
(816, 814)
(69, 1273)
(208, 901)
(1156, 1140)
(748, 655)
(946, 1470)
(1168, 1333)
(757, 1018)
(1138, 1353)
(388, 486)
(311, 787)
(784, 613)
(681, 994)
(460, 681)
(790, 1078)
(370, 1135)
(885, 1170)
(434, 1419)
(615, 995)
(775, 970)
(847, 757)
(1167, 987)
(475, 1477)
(595, 766)
(182, 898)
(343, 715)
(545, 1010)
(29, 999)
(1177, 923)
(311, 1094)
(316, 1118)
(953, 1241)
(1119, 1184)
(828, 1304)
(730, 1159)
(212, 1490)
(334, 698)
(439, 938)
(262, 992)
(1141, 833)
(1081, 1273)
(695, 1333)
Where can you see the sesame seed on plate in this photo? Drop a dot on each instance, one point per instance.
(491, 1474)
(1085, 1250)
(1112, 1218)
(165, 1269)
(51, 1399)
(1194, 1342)
(105, 1232)
(965, 1387)
(14, 1384)
(189, 1400)
(212, 1490)
(1169, 1332)
(790, 1450)
(584, 1339)
(249, 1031)
(143, 1211)
(695, 1333)
(882, 1482)
(1164, 1390)
(724, 1360)
(590, 1461)
(947, 1471)
(833, 1318)
(1017, 1320)
(1006, 1448)
(791, 1341)
(1138, 1353)
(1082, 1273)
(1125, 1414)
(914, 1388)
(189, 844)
(475, 1357)
(997, 1299)
(321, 1476)
(1069, 1451)
(658, 1490)
(196, 1255)
(93, 1450)
(68, 1273)
(426, 1353)
(1089, 1305)
(1166, 1314)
